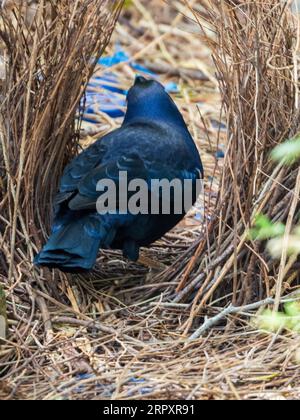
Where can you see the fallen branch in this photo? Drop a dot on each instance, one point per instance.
(229, 311)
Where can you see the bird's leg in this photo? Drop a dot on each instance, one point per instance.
(131, 250)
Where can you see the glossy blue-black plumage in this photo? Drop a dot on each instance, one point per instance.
(152, 143)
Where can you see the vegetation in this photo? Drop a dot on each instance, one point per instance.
(125, 331)
(286, 154)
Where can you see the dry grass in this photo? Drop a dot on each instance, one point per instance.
(50, 51)
(255, 47)
(121, 332)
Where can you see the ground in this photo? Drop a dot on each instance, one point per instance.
(115, 334)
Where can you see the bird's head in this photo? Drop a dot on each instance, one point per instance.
(142, 82)
(148, 100)
(144, 89)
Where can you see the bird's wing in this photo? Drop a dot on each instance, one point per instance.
(113, 144)
(127, 168)
(144, 151)
(80, 166)
(170, 172)
(123, 170)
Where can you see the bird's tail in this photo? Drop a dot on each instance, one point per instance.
(74, 246)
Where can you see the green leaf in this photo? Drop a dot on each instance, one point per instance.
(275, 246)
(265, 229)
(292, 308)
(262, 221)
(272, 321)
(288, 152)
(128, 4)
(297, 231)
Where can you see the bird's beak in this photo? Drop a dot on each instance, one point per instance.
(139, 80)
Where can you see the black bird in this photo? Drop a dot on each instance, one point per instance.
(152, 143)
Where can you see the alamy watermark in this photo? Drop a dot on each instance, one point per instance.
(137, 196)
